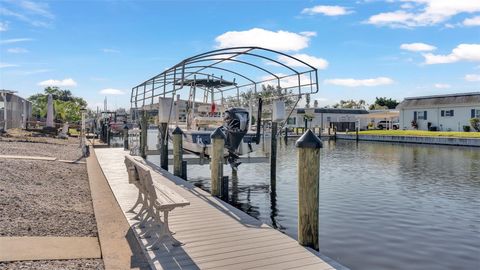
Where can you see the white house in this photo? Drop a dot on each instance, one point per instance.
(441, 112)
(341, 119)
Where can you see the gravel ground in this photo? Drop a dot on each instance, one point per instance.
(46, 147)
(59, 264)
(44, 198)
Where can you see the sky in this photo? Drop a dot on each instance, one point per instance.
(363, 49)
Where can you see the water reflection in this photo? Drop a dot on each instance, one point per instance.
(381, 204)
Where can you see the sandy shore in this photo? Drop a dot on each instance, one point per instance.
(45, 198)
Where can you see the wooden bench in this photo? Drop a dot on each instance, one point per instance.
(156, 200)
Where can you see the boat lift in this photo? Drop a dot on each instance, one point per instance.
(223, 79)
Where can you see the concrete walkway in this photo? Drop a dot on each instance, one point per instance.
(48, 248)
(120, 249)
(215, 234)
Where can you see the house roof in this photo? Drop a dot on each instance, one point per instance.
(5, 91)
(438, 100)
(334, 110)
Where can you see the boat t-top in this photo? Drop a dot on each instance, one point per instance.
(234, 89)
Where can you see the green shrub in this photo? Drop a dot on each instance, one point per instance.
(475, 123)
(466, 128)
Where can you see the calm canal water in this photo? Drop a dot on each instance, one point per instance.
(382, 206)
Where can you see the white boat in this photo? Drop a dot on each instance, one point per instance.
(194, 95)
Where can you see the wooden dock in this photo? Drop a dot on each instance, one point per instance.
(215, 234)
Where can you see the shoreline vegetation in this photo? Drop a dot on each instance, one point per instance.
(420, 133)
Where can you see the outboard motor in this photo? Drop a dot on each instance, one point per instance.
(235, 126)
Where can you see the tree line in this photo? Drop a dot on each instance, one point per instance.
(66, 106)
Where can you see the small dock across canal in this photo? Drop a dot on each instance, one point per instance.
(215, 234)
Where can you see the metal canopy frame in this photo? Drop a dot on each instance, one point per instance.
(246, 67)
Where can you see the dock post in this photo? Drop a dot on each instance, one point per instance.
(125, 136)
(108, 135)
(356, 134)
(224, 187)
(308, 188)
(163, 141)
(143, 134)
(286, 136)
(184, 170)
(216, 162)
(177, 152)
(273, 156)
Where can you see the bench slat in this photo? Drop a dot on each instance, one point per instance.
(165, 197)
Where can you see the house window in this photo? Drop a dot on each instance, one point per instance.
(291, 121)
(447, 113)
(422, 115)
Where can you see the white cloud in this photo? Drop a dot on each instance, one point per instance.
(397, 18)
(417, 47)
(41, 9)
(463, 52)
(319, 63)
(280, 40)
(349, 82)
(17, 50)
(474, 21)
(30, 72)
(31, 12)
(425, 13)
(7, 65)
(407, 6)
(107, 50)
(286, 82)
(14, 40)
(111, 92)
(309, 33)
(69, 82)
(327, 10)
(449, 25)
(472, 77)
(3, 26)
(442, 85)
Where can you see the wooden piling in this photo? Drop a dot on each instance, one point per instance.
(273, 156)
(177, 151)
(108, 135)
(216, 161)
(224, 188)
(163, 141)
(356, 134)
(308, 188)
(184, 170)
(143, 134)
(125, 137)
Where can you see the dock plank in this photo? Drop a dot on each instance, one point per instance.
(215, 234)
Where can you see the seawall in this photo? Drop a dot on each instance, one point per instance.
(414, 139)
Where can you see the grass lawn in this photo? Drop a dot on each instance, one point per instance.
(421, 133)
(73, 131)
